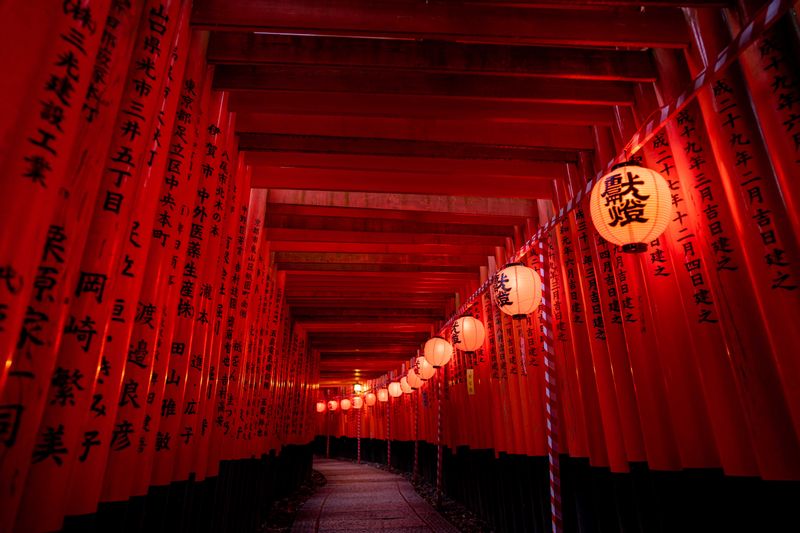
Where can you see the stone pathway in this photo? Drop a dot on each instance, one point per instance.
(362, 499)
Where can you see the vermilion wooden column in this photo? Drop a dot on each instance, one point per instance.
(207, 221)
(56, 47)
(493, 411)
(24, 395)
(194, 425)
(595, 318)
(250, 218)
(167, 415)
(80, 360)
(86, 478)
(757, 198)
(159, 293)
(147, 433)
(745, 331)
(677, 245)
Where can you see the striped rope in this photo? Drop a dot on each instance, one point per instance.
(439, 439)
(358, 435)
(762, 21)
(328, 437)
(388, 435)
(551, 396)
(415, 470)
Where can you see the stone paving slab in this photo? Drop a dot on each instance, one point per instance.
(363, 499)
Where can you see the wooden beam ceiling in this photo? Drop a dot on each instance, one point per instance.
(404, 142)
(449, 21)
(431, 56)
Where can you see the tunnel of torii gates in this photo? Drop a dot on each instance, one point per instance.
(219, 218)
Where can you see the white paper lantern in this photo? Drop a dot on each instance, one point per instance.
(424, 369)
(346, 404)
(321, 407)
(468, 334)
(438, 351)
(413, 379)
(333, 405)
(358, 402)
(395, 391)
(383, 395)
(517, 290)
(631, 206)
(404, 386)
(370, 399)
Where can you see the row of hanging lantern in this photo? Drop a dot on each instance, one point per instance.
(631, 206)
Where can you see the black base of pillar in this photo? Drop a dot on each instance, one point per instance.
(238, 500)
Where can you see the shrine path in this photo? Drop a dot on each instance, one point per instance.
(363, 499)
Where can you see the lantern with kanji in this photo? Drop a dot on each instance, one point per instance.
(404, 385)
(370, 399)
(346, 404)
(517, 290)
(395, 391)
(320, 407)
(358, 402)
(631, 206)
(333, 405)
(438, 351)
(424, 369)
(467, 333)
(383, 395)
(413, 379)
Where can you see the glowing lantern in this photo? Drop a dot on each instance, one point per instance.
(517, 290)
(320, 407)
(413, 379)
(438, 351)
(383, 395)
(468, 334)
(395, 391)
(346, 404)
(358, 402)
(424, 369)
(357, 388)
(370, 398)
(404, 386)
(631, 206)
(333, 405)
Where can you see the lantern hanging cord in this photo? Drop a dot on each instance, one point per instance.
(762, 21)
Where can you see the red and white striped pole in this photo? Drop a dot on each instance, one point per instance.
(439, 439)
(551, 395)
(328, 435)
(388, 434)
(358, 435)
(415, 470)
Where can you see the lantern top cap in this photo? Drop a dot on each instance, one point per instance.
(628, 163)
(514, 263)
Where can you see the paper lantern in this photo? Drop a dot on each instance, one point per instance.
(413, 379)
(346, 404)
(517, 290)
(424, 369)
(357, 388)
(395, 391)
(631, 206)
(333, 405)
(358, 402)
(320, 407)
(370, 399)
(383, 395)
(468, 334)
(404, 386)
(438, 351)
